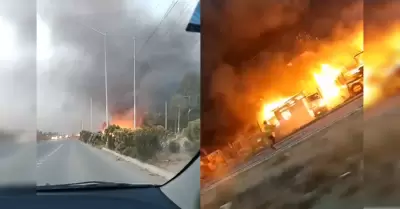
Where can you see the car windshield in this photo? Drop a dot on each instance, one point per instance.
(118, 91)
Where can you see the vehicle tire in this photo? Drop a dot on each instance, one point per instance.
(356, 88)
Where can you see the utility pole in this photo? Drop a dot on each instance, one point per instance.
(166, 116)
(134, 83)
(104, 34)
(82, 125)
(91, 114)
(175, 126)
(188, 115)
(105, 72)
(179, 117)
(105, 76)
(189, 109)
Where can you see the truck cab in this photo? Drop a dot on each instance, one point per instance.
(353, 80)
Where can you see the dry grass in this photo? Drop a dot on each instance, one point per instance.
(355, 162)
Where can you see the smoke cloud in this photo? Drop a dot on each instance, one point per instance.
(246, 59)
(164, 52)
(17, 72)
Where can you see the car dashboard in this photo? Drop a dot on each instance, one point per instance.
(182, 191)
(148, 198)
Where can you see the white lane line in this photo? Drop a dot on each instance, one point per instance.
(39, 162)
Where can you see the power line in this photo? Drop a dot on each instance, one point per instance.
(158, 26)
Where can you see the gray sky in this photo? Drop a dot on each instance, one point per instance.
(70, 67)
(17, 65)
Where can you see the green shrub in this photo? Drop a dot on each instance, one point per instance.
(97, 139)
(124, 142)
(84, 136)
(174, 147)
(142, 144)
(192, 132)
(109, 135)
(187, 145)
(148, 142)
(191, 146)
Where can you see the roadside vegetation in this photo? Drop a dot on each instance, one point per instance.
(154, 143)
(147, 143)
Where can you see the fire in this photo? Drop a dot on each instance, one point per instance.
(358, 39)
(124, 120)
(381, 61)
(267, 112)
(123, 123)
(325, 78)
(326, 81)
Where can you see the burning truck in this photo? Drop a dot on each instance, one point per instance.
(296, 112)
(333, 87)
(353, 79)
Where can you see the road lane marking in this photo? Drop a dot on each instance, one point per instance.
(41, 161)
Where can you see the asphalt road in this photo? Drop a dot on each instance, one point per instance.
(318, 125)
(71, 161)
(17, 161)
(213, 193)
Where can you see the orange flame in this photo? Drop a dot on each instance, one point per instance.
(340, 53)
(326, 81)
(125, 120)
(267, 111)
(382, 75)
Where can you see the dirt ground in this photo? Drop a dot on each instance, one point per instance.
(353, 164)
(381, 154)
(174, 162)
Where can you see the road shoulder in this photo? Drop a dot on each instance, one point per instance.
(151, 168)
(273, 166)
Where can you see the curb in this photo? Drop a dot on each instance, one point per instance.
(151, 168)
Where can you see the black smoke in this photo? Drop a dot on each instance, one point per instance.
(164, 51)
(244, 46)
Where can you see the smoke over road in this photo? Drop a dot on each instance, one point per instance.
(164, 52)
(247, 58)
(382, 26)
(17, 69)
